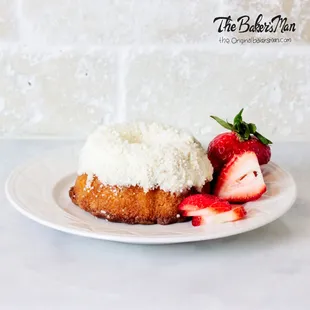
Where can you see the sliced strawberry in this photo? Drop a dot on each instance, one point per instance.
(236, 214)
(197, 202)
(241, 179)
(239, 212)
(199, 220)
(215, 208)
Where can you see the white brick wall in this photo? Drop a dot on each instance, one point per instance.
(68, 65)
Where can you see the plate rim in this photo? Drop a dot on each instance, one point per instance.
(19, 206)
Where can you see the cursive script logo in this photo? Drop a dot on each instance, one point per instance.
(244, 24)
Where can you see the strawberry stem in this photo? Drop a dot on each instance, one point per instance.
(242, 129)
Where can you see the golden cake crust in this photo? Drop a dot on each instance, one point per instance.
(129, 205)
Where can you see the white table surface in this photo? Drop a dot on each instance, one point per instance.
(269, 268)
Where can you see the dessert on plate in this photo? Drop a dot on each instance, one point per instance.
(139, 173)
(149, 173)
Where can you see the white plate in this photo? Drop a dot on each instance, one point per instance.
(39, 190)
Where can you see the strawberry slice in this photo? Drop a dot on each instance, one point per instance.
(235, 214)
(197, 202)
(199, 220)
(213, 209)
(241, 179)
(210, 209)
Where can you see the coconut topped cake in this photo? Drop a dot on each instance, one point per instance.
(139, 172)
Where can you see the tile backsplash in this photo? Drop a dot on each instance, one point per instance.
(68, 65)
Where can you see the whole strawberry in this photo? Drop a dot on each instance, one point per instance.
(243, 137)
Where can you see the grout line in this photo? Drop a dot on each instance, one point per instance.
(41, 137)
(290, 48)
(19, 17)
(121, 86)
(25, 29)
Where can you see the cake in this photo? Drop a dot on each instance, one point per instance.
(138, 173)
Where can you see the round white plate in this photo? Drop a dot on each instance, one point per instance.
(39, 190)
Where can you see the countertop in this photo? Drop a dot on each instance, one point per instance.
(268, 268)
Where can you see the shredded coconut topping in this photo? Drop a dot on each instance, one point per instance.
(149, 155)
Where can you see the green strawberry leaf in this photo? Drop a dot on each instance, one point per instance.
(223, 123)
(237, 128)
(247, 132)
(252, 128)
(262, 139)
(238, 118)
